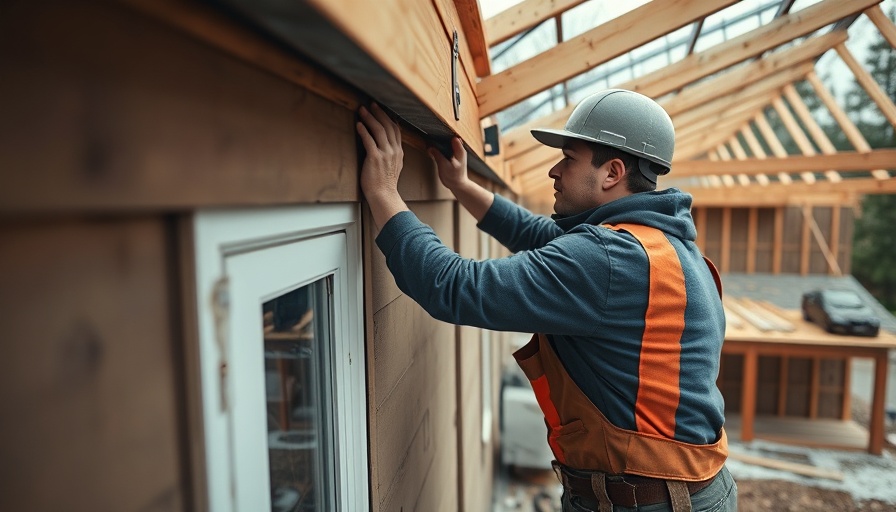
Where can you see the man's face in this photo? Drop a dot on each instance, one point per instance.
(577, 182)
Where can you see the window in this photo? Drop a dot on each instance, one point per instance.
(282, 359)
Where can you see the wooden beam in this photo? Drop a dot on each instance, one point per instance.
(524, 16)
(471, 21)
(819, 193)
(773, 143)
(589, 50)
(804, 240)
(741, 77)
(887, 108)
(703, 64)
(835, 233)
(695, 143)
(883, 23)
(843, 161)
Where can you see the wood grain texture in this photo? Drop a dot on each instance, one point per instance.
(105, 109)
(91, 412)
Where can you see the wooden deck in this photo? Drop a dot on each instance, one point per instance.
(817, 433)
(758, 328)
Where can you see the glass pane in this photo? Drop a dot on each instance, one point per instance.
(296, 334)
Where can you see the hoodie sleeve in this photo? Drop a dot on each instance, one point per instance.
(560, 288)
(516, 228)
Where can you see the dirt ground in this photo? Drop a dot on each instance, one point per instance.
(780, 495)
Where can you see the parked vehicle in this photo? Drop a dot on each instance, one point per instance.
(840, 312)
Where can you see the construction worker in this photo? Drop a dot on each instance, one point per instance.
(628, 312)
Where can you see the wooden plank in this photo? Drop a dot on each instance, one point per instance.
(719, 57)
(884, 103)
(91, 367)
(830, 258)
(791, 467)
(814, 387)
(726, 241)
(804, 240)
(586, 51)
(782, 391)
(773, 142)
(105, 108)
(876, 423)
(843, 161)
(846, 407)
(473, 26)
(524, 16)
(752, 228)
(835, 235)
(778, 243)
(369, 252)
(883, 24)
(748, 397)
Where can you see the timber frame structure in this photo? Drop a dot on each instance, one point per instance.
(125, 124)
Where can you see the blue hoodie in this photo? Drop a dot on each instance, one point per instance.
(583, 285)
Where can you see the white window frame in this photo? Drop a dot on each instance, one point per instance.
(222, 234)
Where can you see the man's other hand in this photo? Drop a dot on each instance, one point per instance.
(453, 172)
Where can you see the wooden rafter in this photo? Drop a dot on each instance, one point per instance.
(821, 139)
(756, 149)
(796, 133)
(524, 16)
(471, 22)
(739, 78)
(843, 161)
(708, 62)
(887, 108)
(883, 23)
(588, 50)
(853, 135)
(773, 143)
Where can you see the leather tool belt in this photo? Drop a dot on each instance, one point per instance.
(623, 490)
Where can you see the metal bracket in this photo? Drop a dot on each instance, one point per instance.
(492, 146)
(455, 88)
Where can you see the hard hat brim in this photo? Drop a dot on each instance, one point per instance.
(557, 138)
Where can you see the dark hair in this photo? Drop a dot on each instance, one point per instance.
(634, 180)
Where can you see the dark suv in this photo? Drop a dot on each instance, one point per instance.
(840, 312)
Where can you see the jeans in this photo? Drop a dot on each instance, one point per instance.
(719, 496)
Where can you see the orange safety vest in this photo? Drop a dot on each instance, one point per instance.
(580, 436)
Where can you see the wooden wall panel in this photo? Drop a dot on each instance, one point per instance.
(799, 377)
(414, 394)
(768, 384)
(847, 228)
(713, 235)
(91, 413)
(104, 108)
(765, 239)
(737, 260)
(791, 243)
(817, 262)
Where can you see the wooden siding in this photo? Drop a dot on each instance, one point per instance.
(92, 412)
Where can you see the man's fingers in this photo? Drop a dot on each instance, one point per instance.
(458, 146)
(393, 133)
(375, 128)
(366, 138)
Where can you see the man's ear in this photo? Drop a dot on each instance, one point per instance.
(615, 173)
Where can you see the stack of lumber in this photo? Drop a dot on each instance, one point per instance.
(761, 315)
